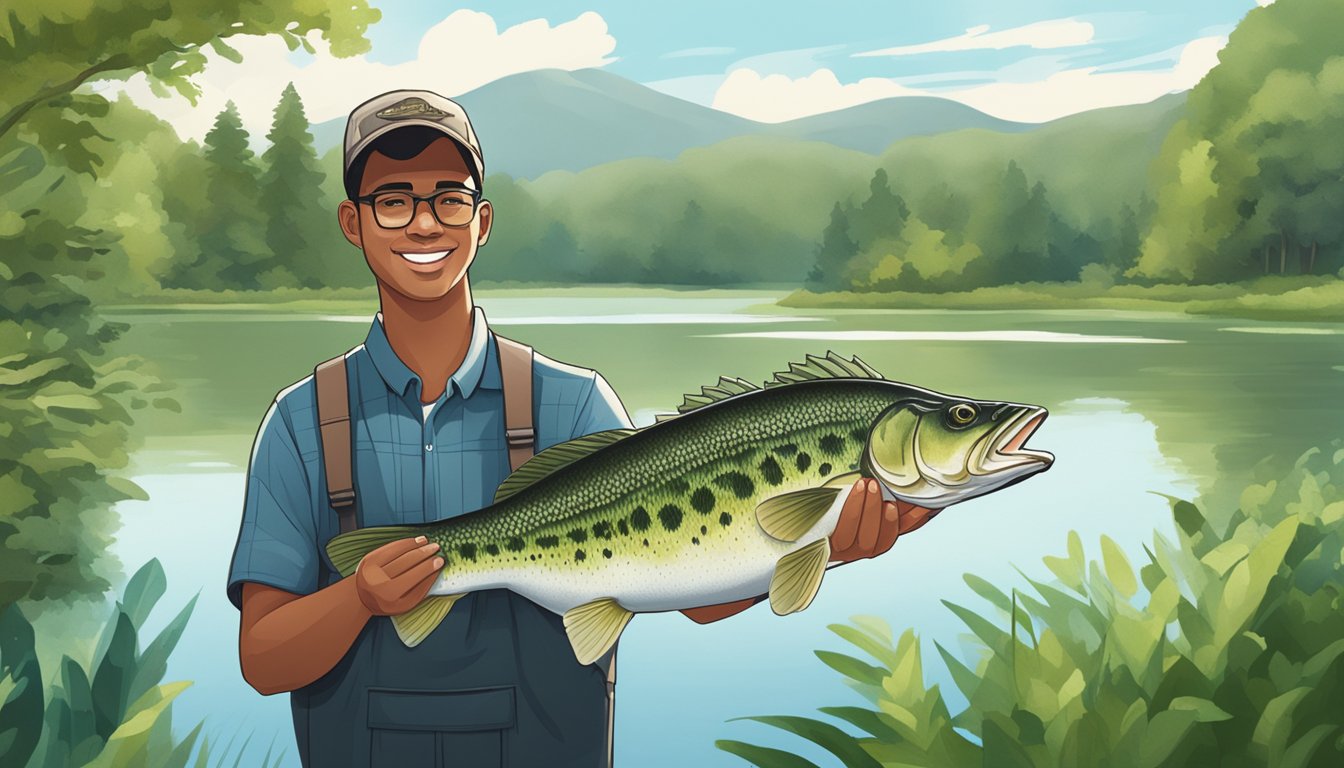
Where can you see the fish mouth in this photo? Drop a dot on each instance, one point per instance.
(1009, 441)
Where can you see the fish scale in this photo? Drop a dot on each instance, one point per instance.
(736, 495)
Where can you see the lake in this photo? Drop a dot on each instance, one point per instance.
(1141, 404)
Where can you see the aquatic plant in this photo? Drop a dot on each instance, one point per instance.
(1225, 648)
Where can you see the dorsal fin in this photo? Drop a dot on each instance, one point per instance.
(556, 457)
(832, 366)
(724, 388)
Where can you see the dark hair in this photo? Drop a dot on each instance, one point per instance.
(403, 144)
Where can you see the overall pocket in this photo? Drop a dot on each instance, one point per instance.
(443, 729)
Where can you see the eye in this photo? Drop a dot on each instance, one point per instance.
(961, 414)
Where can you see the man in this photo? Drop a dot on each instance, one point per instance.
(497, 682)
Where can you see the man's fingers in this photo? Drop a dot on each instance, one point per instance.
(418, 591)
(915, 517)
(847, 527)
(870, 523)
(409, 581)
(392, 550)
(410, 559)
(891, 527)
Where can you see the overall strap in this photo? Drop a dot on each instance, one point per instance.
(333, 420)
(515, 372)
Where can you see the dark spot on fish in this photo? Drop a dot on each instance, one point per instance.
(725, 519)
(670, 516)
(515, 544)
(532, 557)
(579, 535)
(467, 550)
(702, 500)
(803, 462)
(492, 549)
(771, 472)
(855, 465)
(602, 529)
(622, 527)
(639, 519)
(606, 553)
(824, 469)
(741, 485)
(579, 555)
(786, 450)
(678, 486)
(859, 434)
(703, 530)
(646, 542)
(546, 542)
(695, 540)
(832, 444)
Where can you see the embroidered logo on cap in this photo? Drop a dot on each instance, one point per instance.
(412, 107)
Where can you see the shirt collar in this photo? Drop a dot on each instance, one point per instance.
(473, 372)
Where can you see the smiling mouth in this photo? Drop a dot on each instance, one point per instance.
(429, 257)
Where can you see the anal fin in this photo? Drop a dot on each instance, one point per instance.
(415, 625)
(594, 627)
(790, 515)
(798, 577)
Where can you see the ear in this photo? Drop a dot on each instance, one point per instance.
(487, 214)
(347, 214)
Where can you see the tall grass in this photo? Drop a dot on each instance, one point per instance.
(1225, 648)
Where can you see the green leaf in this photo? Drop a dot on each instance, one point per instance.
(126, 487)
(1118, 570)
(1069, 570)
(13, 377)
(153, 664)
(865, 642)
(852, 668)
(72, 401)
(143, 592)
(824, 735)
(112, 681)
(1205, 711)
(765, 757)
(1165, 733)
(1187, 516)
(988, 591)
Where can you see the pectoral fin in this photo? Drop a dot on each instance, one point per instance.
(790, 515)
(416, 624)
(594, 627)
(798, 577)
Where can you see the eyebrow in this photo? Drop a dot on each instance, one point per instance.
(403, 185)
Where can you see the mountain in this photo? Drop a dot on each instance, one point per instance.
(549, 120)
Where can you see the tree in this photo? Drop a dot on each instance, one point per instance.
(835, 251)
(297, 230)
(67, 403)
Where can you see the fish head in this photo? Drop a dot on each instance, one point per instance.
(936, 451)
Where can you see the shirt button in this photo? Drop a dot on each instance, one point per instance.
(429, 446)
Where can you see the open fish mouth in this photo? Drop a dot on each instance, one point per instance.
(1007, 444)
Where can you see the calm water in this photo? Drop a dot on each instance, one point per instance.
(1139, 403)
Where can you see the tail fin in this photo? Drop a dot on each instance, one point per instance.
(347, 549)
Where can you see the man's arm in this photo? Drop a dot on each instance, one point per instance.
(287, 641)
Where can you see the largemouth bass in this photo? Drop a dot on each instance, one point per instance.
(734, 496)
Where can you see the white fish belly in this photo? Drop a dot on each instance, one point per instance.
(722, 569)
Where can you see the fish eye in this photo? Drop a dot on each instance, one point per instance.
(961, 414)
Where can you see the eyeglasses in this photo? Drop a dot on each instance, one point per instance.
(451, 207)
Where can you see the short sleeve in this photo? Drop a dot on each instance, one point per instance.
(601, 410)
(277, 540)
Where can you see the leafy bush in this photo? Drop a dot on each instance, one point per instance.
(115, 713)
(1226, 648)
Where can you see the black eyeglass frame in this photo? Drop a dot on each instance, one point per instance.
(476, 197)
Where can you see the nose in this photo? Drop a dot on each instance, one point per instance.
(423, 223)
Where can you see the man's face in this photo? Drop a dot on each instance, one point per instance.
(395, 255)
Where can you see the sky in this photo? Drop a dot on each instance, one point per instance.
(1029, 61)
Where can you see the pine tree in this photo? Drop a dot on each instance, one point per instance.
(232, 246)
(837, 248)
(883, 214)
(298, 229)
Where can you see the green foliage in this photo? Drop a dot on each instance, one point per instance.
(1226, 647)
(115, 713)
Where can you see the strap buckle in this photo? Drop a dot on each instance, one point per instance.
(520, 437)
(343, 498)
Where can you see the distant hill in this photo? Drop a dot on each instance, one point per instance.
(551, 120)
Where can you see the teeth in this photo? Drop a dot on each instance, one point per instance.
(424, 258)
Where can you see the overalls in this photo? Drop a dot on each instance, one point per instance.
(496, 684)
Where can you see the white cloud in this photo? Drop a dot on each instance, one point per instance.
(463, 51)
(1056, 33)
(776, 98)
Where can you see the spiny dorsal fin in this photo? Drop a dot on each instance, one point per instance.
(556, 457)
(726, 387)
(832, 366)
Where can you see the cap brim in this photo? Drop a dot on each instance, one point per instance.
(364, 143)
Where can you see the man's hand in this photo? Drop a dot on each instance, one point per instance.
(395, 577)
(869, 526)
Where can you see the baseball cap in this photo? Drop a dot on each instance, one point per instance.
(397, 109)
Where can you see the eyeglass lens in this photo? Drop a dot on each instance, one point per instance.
(396, 209)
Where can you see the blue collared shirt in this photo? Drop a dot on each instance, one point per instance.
(408, 469)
